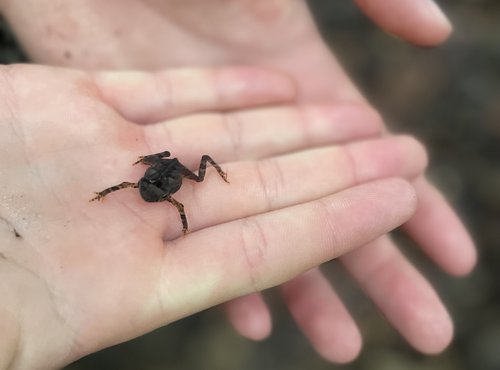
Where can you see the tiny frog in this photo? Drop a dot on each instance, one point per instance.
(162, 179)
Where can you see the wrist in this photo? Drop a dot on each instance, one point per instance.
(9, 340)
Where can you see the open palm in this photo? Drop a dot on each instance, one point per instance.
(78, 276)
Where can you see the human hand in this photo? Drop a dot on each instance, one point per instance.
(79, 276)
(195, 31)
(199, 33)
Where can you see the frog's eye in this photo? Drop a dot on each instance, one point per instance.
(152, 174)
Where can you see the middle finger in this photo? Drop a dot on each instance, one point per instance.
(269, 184)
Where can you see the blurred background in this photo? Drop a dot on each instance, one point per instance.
(449, 97)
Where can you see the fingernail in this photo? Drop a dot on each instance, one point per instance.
(434, 12)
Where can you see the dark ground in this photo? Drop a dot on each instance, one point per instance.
(448, 97)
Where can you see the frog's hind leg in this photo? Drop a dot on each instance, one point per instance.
(180, 208)
(123, 185)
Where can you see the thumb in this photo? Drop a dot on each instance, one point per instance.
(222, 262)
(418, 21)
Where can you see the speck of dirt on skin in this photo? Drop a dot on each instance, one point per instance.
(11, 227)
(17, 234)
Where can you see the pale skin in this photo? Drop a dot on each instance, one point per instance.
(72, 282)
(198, 32)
